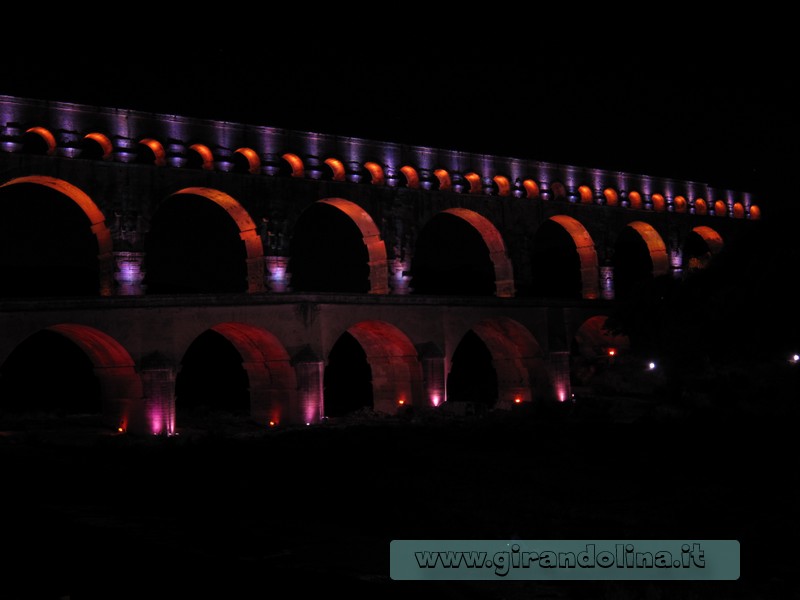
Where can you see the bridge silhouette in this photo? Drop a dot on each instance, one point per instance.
(154, 265)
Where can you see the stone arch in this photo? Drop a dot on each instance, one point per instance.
(655, 246)
(97, 224)
(474, 181)
(371, 236)
(411, 175)
(585, 194)
(39, 140)
(611, 196)
(720, 208)
(517, 359)
(295, 164)
(393, 359)
(336, 166)
(584, 244)
(246, 160)
(375, 171)
(503, 269)
(503, 185)
(120, 384)
(531, 188)
(200, 156)
(592, 347)
(254, 250)
(271, 377)
(96, 145)
(151, 151)
(635, 200)
(680, 204)
(443, 177)
(700, 206)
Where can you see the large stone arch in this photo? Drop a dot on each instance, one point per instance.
(655, 246)
(248, 233)
(97, 224)
(393, 359)
(584, 245)
(272, 379)
(517, 359)
(376, 247)
(120, 384)
(504, 271)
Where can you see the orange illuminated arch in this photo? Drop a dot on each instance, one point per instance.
(738, 210)
(720, 208)
(503, 270)
(102, 141)
(272, 379)
(755, 212)
(247, 232)
(611, 197)
(655, 246)
(206, 157)
(393, 359)
(592, 339)
(48, 140)
(251, 159)
(337, 168)
(97, 220)
(376, 172)
(412, 178)
(371, 236)
(585, 193)
(516, 357)
(711, 237)
(120, 384)
(156, 149)
(559, 191)
(503, 185)
(635, 199)
(295, 163)
(680, 204)
(584, 245)
(474, 181)
(531, 188)
(443, 176)
(700, 207)
(659, 203)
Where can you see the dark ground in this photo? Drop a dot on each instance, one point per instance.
(240, 513)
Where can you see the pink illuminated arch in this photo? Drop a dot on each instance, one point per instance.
(655, 246)
(584, 244)
(97, 223)
(371, 236)
(516, 357)
(396, 370)
(247, 232)
(272, 379)
(503, 270)
(120, 384)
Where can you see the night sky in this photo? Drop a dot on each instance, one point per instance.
(710, 108)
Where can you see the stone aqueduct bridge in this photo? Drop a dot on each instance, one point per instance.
(293, 271)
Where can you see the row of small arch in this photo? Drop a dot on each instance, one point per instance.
(246, 160)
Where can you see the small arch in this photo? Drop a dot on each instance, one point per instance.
(376, 172)
(700, 207)
(474, 181)
(503, 185)
(635, 200)
(443, 177)
(738, 210)
(720, 208)
(151, 152)
(586, 195)
(680, 204)
(246, 160)
(200, 157)
(659, 203)
(337, 169)
(711, 237)
(96, 146)
(531, 188)
(38, 140)
(296, 168)
(611, 197)
(754, 212)
(558, 190)
(412, 177)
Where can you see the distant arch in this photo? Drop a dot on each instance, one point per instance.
(584, 245)
(531, 188)
(656, 247)
(635, 200)
(295, 164)
(611, 197)
(376, 173)
(96, 146)
(720, 208)
(411, 175)
(586, 195)
(474, 181)
(337, 169)
(39, 140)
(151, 151)
(246, 160)
(503, 185)
(200, 156)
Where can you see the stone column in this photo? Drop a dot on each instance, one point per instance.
(129, 273)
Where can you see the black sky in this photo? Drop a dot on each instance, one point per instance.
(717, 112)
